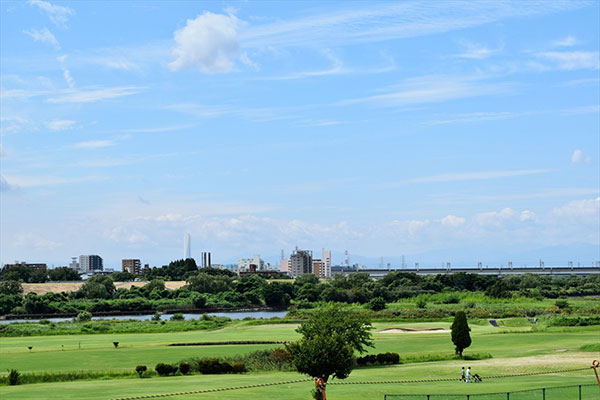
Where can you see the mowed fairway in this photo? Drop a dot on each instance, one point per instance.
(513, 349)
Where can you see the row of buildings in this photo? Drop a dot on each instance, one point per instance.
(300, 262)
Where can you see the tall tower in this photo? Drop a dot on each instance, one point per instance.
(187, 246)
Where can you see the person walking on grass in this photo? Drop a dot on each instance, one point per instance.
(462, 374)
(469, 375)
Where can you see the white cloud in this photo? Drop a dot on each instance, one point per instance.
(59, 15)
(68, 78)
(467, 176)
(94, 144)
(565, 42)
(92, 94)
(15, 124)
(496, 218)
(60, 125)
(527, 216)
(452, 220)
(588, 210)
(43, 35)
(572, 60)
(477, 52)
(578, 157)
(208, 43)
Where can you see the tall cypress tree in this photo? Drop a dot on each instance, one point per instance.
(460, 332)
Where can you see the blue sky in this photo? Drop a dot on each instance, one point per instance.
(448, 131)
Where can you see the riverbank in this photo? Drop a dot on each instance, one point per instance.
(58, 317)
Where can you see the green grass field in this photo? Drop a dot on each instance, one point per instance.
(515, 350)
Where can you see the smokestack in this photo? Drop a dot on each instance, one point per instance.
(187, 246)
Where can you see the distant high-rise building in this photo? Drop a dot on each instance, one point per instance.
(89, 263)
(26, 265)
(244, 264)
(284, 265)
(74, 264)
(132, 265)
(206, 262)
(301, 263)
(325, 264)
(187, 246)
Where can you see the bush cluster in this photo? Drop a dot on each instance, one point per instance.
(381, 358)
(210, 366)
(163, 369)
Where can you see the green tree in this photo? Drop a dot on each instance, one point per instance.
(63, 274)
(335, 320)
(98, 287)
(377, 304)
(275, 295)
(323, 357)
(329, 339)
(123, 276)
(460, 332)
(10, 287)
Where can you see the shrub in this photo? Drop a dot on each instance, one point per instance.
(165, 369)
(177, 317)
(421, 303)
(214, 366)
(381, 358)
(156, 317)
(238, 367)
(13, 377)
(184, 368)
(84, 316)
(377, 304)
(140, 369)
(451, 299)
(562, 304)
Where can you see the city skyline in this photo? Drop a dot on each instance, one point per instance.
(442, 133)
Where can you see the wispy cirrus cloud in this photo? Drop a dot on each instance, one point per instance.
(43, 35)
(475, 51)
(572, 60)
(431, 89)
(26, 181)
(59, 15)
(60, 125)
(90, 95)
(389, 21)
(501, 115)
(565, 42)
(94, 144)
(483, 175)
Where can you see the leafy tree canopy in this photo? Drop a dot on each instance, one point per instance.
(336, 321)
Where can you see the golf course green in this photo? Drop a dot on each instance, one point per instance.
(516, 348)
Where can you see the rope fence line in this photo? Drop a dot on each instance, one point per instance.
(154, 396)
(458, 379)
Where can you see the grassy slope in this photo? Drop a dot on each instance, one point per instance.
(133, 387)
(514, 351)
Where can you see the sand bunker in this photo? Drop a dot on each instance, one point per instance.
(408, 330)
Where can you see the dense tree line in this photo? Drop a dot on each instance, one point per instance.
(38, 275)
(216, 288)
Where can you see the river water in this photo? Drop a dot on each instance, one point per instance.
(164, 317)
